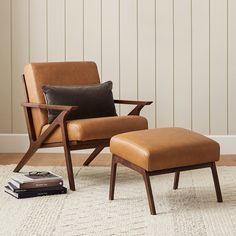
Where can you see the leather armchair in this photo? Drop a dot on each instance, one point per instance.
(70, 134)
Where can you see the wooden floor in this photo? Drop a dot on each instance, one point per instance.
(47, 159)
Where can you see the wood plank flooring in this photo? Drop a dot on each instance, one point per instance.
(52, 159)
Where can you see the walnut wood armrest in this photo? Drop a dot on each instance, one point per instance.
(132, 102)
(139, 105)
(51, 107)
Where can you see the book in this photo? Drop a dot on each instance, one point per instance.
(19, 190)
(27, 194)
(37, 184)
(27, 181)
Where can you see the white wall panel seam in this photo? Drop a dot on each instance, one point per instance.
(65, 31)
(227, 71)
(210, 67)
(155, 73)
(191, 52)
(137, 31)
(11, 68)
(173, 19)
(47, 30)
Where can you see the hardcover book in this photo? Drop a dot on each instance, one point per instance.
(29, 180)
(20, 190)
(40, 192)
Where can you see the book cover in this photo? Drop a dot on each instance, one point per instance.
(38, 184)
(18, 190)
(29, 194)
(28, 177)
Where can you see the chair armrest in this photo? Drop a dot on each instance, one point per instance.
(51, 107)
(132, 102)
(139, 105)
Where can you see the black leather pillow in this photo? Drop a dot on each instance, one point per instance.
(93, 100)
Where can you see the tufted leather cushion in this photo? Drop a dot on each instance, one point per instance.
(98, 128)
(165, 148)
(55, 73)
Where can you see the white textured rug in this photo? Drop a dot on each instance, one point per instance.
(191, 210)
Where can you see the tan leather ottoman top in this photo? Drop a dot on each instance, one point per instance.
(164, 148)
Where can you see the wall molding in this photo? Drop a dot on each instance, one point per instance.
(18, 143)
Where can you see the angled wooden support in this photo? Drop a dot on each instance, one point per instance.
(30, 152)
(93, 155)
(37, 143)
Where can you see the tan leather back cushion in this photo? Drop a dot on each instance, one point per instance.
(55, 73)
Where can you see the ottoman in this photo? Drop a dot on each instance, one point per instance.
(161, 151)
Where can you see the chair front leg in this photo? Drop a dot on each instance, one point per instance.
(113, 178)
(35, 145)
(148, 186)
(69, 166)
(32, 149)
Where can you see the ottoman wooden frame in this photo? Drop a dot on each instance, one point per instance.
(146, 176)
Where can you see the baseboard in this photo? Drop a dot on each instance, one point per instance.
(18, 143)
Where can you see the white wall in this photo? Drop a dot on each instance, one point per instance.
(179, 53)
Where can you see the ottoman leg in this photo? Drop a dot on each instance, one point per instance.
(112, 178)
(149, 192)
(176, 180)
(216, 182)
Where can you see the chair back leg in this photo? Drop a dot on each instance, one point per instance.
(93, 155)
(176, 180)
(216, 182)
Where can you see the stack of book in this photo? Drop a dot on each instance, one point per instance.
(35, 183)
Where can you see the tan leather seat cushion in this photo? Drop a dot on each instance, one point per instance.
(99, 128)
(164, 148)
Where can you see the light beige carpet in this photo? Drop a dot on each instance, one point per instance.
(191, 210)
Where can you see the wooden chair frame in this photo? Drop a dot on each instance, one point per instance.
(146, 177)
(60, 121)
